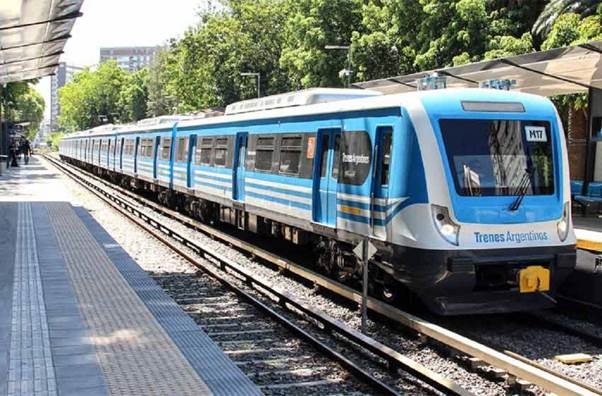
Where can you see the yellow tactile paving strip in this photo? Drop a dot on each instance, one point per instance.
(136, 355)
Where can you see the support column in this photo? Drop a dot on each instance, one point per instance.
(594, 135)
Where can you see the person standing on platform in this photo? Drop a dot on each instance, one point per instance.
(26, 150)
(13, 152)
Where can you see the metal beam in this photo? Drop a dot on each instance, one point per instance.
(510, 63)
(32, 58)
(65, 37)
(72, 15)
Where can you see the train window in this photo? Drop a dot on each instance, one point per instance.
(166, 149)
(336, 157)
(290, 154)
(264, 153)
(182, 150)
(146, 148)
(324, 159)
(203, 151)
(356, 151)
(221, 152)
(386, 142)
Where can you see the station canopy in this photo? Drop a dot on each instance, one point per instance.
(33, 34)
(558, 71)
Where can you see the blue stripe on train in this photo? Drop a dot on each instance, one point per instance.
(212, 185)
(279, 200)
(279, 190)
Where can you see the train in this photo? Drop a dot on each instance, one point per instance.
(464, 194)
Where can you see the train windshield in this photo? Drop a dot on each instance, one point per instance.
(499, 157)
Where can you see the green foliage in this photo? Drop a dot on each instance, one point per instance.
(313, 25)
(570, 29)
(207, 63)
(22, 104)
(556, 8)
(54, 139)
(25, 106)
(404, 36)
(133, 96)
(502, 46)
(91, 96)
(161, 98)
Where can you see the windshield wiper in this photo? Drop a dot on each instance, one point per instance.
(522, 189)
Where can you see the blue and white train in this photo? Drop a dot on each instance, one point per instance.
(464, 192)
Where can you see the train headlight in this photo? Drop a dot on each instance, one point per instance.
(563, 225)
(449, 230)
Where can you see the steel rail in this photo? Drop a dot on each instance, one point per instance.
(516, 367)
(392, 357)
(566, 300)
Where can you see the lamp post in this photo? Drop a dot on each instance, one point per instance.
(347, 72)
(258, 76)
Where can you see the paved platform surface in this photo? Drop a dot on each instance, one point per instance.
(78, 316)
(589, 232)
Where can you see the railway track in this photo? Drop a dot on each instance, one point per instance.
(264, 350)
(226, 268)
(516, 366)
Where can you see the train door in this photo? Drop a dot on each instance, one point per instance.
(121, 144)
(326, 174)
(155, 155)
(136, 154)
(109, 153)
(189, 159)
(380, 180)
(238, 166)
(113, 154)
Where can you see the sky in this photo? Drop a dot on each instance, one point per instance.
(123, 23)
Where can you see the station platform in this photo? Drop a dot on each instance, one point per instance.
(78, 316)
(588, 231)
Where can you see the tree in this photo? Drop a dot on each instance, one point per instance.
(313, 25)
(22, 104)
(556, 8)
(161, 99)
(133, 97)
(205, 67)
(92, 97)
(502, 46)
(29, 110)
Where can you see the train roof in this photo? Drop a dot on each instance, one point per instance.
(368, 102)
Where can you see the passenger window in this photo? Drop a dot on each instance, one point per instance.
(166, 149)
(264, 153)
(387, 142)
(150, 147)
(203, 151)
(221, 152)
(182, 152)
(324, 157)
(290, 155)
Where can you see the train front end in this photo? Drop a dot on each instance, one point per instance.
(499, 236)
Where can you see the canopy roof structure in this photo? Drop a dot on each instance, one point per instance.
(558, 71)
(33, 34)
